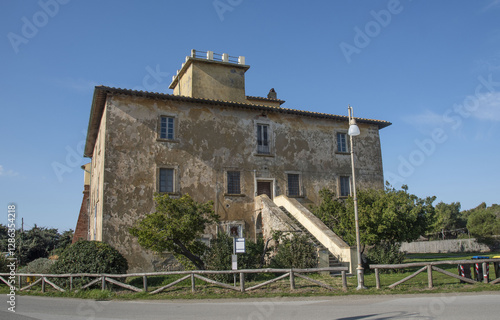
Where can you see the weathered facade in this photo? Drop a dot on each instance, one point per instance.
(208, 139)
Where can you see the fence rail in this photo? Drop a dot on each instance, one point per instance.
(432, 266)
(102, 278)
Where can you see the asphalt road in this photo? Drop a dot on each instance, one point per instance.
(427, 306)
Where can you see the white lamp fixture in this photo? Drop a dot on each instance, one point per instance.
(353, 127)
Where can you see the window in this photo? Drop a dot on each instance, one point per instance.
(235, 230)
(263, 139)
(293, 185)
(167, 128)
(345, 186)
(166, 178)
(233, 182)
(341, 142)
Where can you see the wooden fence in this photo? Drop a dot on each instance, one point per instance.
(431, 266)
(101, 278)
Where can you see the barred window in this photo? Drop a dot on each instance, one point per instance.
(233, 182)
(293, 185)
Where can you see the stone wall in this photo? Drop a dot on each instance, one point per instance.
(444, 246)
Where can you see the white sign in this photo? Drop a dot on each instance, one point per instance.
(239, 245)
(234, 262)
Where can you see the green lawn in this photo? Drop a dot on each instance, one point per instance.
(182, 290)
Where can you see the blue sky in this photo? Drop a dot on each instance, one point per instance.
(432, 68)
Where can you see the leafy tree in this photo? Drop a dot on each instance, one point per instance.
(4, 236)
(65, 240)
(387, 215)
(36, 243)
(176, 226)
(447, 217)
(484, 223)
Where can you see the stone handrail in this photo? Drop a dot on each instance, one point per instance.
(341, 250)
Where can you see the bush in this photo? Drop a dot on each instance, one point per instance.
(40, 265)
(294, 252)
(4, 264)
(218, 256)
(90, 257)
(384, 253)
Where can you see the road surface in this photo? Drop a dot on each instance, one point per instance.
(425, 306)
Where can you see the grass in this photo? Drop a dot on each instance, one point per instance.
(281, 288)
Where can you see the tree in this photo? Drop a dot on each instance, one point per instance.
(64, 241)
(484, 223)
(176, 226)
(36, 243)
(447, 217)
(387, 215)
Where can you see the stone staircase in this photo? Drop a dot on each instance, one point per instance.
(332, 260)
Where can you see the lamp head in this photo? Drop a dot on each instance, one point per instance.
(353, 128)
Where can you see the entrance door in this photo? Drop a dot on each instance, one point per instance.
(264, 187)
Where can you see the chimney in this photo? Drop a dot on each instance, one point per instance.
(272, 94)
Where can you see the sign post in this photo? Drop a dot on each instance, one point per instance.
(238, 247)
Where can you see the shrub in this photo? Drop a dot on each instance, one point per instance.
(295, 252)
(89, 257)
(218, 256)
(40, 265)
(385, 253)
(4, 264)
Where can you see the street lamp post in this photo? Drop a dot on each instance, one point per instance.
(354, 131)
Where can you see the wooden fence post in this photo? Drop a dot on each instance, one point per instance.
(70, 283)
(242, 282)
(43, 284)
(377, 278)
(192, 283)
(145, 283)
(429, 276)
(292, 280)
(103, 283)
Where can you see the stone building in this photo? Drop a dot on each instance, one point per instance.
(212, 141)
